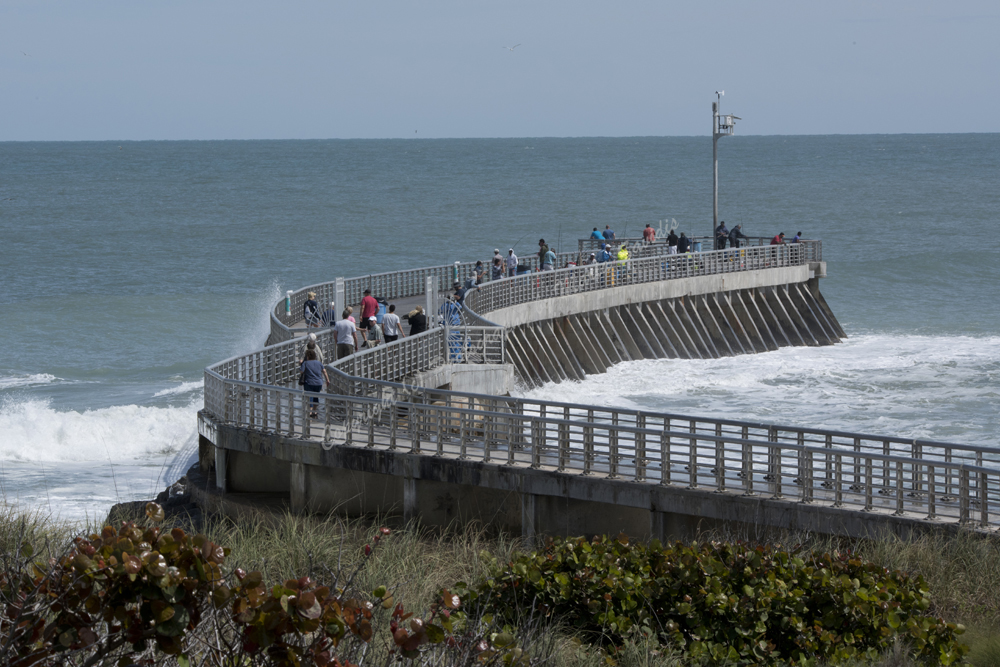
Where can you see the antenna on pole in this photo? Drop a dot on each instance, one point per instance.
(722, 126)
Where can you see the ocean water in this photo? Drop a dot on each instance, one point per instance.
(126, 268)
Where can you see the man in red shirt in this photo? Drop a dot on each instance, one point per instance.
(369, 307)
(779, 239)
(649, 234)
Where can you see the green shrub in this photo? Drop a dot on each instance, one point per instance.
(721, 601)
(151, 596)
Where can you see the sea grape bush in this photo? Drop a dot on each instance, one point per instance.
(147, 596)
(721, 602)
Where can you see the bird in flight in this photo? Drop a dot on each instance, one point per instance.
(26, 54)
(510, 48)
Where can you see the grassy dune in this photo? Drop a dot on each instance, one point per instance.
(963, 571)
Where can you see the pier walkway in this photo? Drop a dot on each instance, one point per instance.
(389, 438)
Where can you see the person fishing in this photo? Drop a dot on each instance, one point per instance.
(721, 236)
(736, 235)
(511, 263)
(548, 259)
(683, 244)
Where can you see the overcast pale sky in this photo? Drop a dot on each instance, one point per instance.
(197, 69)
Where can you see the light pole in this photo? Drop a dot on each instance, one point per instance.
(722, 126)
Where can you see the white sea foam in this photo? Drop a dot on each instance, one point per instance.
(18, 381)
(33, 431)
(182, 388)
(944, 388)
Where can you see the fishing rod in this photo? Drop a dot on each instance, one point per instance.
(514, 245)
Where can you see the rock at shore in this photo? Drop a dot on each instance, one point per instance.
(176, 502)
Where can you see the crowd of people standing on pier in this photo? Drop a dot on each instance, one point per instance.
(379, 323)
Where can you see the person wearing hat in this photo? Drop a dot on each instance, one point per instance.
(592, 259)
(511, 263)
(460, 291)
(310, 311)
(373, 334)
(497, 255)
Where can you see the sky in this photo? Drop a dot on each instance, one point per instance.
(197, 69)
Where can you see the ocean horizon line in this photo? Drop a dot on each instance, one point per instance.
(510, 138)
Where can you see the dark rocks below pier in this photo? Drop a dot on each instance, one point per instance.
(176, 500)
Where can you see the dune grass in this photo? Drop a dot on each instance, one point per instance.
(962, 571)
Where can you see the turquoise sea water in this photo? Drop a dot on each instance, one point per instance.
(125, 269)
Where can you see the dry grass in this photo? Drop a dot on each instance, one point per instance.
(414, 562)
(962, 571)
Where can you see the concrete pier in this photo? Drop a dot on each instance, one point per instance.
(422, 428)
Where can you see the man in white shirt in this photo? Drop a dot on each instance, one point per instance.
(346, 335)
(391, 326)
(511, 263)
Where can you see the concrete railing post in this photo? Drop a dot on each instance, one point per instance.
(221, 474)
(339, 299)
(430, 292)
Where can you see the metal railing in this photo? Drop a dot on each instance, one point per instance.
(390, 285)
(921, 479)
(402, 284)
(549, 284)
(586, 246)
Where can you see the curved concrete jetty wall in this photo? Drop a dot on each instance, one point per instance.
(564, 325)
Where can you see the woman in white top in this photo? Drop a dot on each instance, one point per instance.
(391, 327)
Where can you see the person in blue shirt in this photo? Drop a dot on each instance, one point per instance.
(596, 235)
(313, 378)
(609, 234)
(549, 260)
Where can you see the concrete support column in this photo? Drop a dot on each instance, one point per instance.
(298, 493)
(409, 499)
(529, 520)
(657, 525)
(206, 453)
(220, 469)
